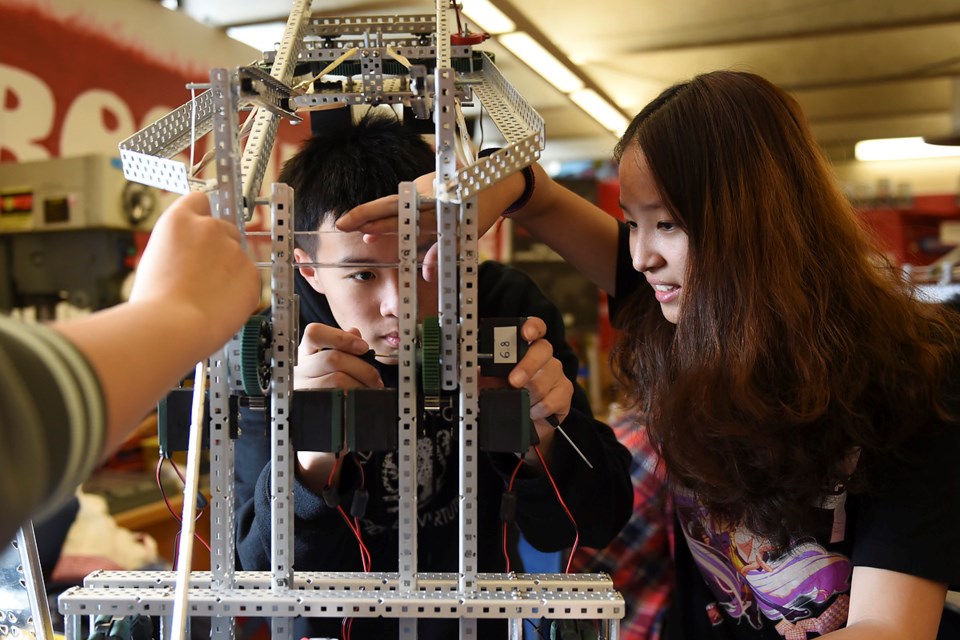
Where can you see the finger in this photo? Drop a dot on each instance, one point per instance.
(331, 368)
(554, 400)
(318, 336)
(431, 263)
(538, 354)
(196, 201)
(544, 380)
(370, 215)
(533, 329)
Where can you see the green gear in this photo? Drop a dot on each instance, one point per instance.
(430, 356)
(255, 339)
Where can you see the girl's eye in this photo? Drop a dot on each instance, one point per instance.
(667, 225)
(631, 225)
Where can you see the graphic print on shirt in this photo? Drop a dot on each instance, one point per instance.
(433, 451)
(802, 589)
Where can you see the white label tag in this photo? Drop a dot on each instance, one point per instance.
(505, 345)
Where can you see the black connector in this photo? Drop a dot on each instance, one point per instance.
(330, 497)
(504, 424)
(316, 420)
(174, 414)
(358, 508)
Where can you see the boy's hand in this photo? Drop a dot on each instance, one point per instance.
(551, 392)
(331, 358)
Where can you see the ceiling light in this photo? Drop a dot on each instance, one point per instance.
(901, 149)
(600, 110)
(262, 37)
(487, 17)
(532, 53)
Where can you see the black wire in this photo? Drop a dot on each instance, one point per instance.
(536, 627)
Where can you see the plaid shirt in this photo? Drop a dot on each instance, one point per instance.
(638, 560)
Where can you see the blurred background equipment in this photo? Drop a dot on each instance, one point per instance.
(68, 232)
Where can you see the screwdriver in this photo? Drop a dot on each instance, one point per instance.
(555, 423)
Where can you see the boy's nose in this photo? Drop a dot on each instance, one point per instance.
(390, 297)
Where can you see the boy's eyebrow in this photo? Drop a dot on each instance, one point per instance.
(360, 260)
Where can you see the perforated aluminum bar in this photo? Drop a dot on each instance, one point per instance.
(318, 603)
(256, 153)
(227, 204)
(447, 219)
(146, 154)
(406, 47)
(373, 581)
(284, 308)
(521, 126)
(222, 199)
(407, 409)
(360, 25)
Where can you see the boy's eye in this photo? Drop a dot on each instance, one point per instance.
(361, 276)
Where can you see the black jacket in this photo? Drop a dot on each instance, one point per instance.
(600, 499)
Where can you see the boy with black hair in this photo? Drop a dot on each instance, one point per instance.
(352, 307)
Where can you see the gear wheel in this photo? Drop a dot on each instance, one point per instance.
(255, 339)
(430, 356)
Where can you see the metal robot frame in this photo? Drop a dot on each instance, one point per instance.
(281, 594)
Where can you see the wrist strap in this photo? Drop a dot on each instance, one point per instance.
(529, 183)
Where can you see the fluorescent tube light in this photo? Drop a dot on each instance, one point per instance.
(487, 17)
(901, 149)
(600, 110)
(532, 53)
(262, 37)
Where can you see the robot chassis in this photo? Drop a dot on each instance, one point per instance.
(281, 594)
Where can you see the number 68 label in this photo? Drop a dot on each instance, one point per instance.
(505, 345)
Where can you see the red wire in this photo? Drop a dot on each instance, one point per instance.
(336, 463)
(576, 531)
(513, 476)
(363, 479)
(365, 560)
(354, 525)
(176, 516)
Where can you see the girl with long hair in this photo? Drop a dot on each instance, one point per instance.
(799, 395)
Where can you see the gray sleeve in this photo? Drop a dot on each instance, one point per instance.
(52, 422)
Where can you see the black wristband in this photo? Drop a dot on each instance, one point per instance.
(529, 183)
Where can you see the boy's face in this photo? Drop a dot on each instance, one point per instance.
(362, 296)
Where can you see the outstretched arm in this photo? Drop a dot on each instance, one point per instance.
(194, 288)
(73, 391)
(584, 234)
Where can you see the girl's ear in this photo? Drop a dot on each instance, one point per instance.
(309, 273)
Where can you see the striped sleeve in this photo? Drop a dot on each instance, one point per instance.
(52, 421)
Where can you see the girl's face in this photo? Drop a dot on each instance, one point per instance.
(658, 246)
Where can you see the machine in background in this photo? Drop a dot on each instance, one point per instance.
(67, 232)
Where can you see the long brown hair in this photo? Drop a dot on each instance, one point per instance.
(795, 343)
